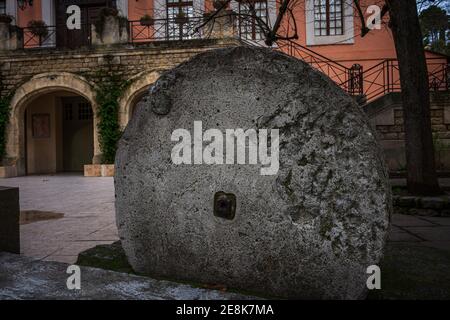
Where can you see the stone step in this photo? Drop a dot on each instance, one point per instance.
(25, 278)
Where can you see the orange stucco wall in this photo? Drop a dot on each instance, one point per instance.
(376, 45)
(30, 13)
(137, 9)
(367, 51)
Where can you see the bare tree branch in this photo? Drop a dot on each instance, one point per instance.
(271, 37)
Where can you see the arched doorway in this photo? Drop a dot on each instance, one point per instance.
(134, 93)
(59, 133)
(40, 103)
(137, 98)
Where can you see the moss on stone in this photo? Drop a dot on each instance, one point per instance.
(109, 257)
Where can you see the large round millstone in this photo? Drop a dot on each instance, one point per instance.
(308, 230)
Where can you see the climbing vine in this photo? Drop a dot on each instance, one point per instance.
(108, 92)
(5, 109)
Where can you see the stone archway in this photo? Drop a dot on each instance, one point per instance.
(36, 86)
(139, 84)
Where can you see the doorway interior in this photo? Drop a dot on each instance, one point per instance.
(59, 133)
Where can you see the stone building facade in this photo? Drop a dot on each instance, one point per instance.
(74, 72)
(51, 88)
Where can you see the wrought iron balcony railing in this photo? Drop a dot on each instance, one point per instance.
(384, 78)
(165, 30)
(370, 84)
(379, 80)
(41, 38)
(345, 77)
(56, 36)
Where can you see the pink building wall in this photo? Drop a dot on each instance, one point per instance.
(136, 9)
(30, 13)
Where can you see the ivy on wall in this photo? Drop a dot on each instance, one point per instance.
(5, 110)
(108, 92)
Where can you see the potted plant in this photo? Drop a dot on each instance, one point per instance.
(102, 17)
(5, 18)
(109, 11)
(181, 18)
(147, 21)
(38, 28)
(218, 4)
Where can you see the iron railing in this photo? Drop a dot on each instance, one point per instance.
(348, 79)
(43, 37)
(159, 30)
(165, 30)
(56, 36)
(381, 79)
(384, 78)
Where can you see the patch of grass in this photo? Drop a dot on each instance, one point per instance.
(413, 272)
(109, 257)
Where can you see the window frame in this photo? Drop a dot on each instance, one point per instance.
(246, 25)
(318, 6)
(3, 7)
(174, 30)
(348, 36)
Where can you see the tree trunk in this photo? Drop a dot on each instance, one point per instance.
(421, 172)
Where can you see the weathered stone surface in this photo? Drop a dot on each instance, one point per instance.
(22, 278)
(310, 231)
(8, 172)
(92, 170)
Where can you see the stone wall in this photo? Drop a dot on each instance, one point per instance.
(16, 67)
(386, 116)
(30, 73)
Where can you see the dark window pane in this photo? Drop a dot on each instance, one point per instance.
(2, 6)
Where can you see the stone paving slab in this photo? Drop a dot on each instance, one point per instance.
(432, 233)
(89, 216)
(438, 220)
(23, 278)
(410, 221)
(424, 231)
(403, 236)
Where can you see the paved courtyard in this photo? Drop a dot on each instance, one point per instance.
(88, 207)
(421, 231)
